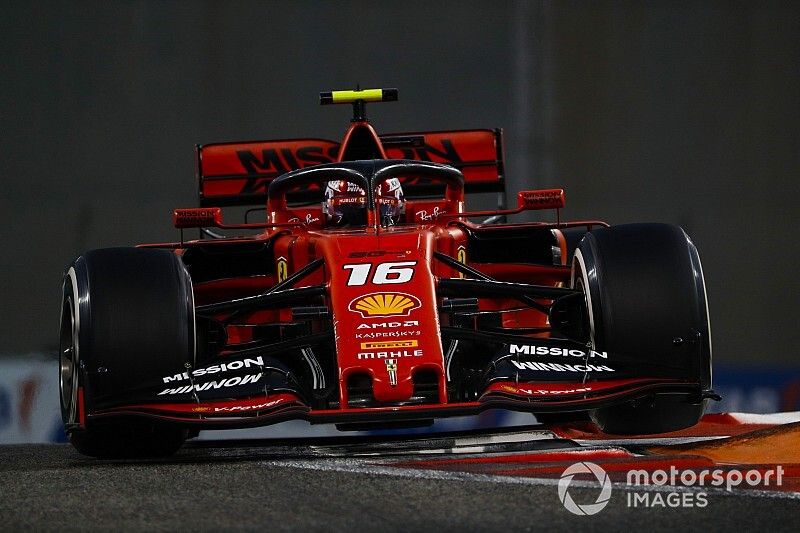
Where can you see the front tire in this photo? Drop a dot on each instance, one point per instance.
(645, 296)
(129, 440)
(127, 317)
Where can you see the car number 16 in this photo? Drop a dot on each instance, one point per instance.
(385, 273)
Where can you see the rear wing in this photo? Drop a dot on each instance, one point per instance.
(239, 173)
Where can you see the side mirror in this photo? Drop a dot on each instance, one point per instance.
(197, 217)
(540, 199)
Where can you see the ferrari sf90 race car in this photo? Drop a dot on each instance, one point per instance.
(360, 292)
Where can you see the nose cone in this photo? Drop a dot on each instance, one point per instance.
(385, 318)
(388, 389)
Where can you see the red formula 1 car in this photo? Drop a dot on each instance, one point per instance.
(369, 299)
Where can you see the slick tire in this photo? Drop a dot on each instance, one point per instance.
(645, 297)
(127, 317)
(132, 439)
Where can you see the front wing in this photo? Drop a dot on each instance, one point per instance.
(527, 397)
(520, 374)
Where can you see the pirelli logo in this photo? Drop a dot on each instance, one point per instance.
(378, 345)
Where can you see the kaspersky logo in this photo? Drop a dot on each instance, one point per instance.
(382, 304)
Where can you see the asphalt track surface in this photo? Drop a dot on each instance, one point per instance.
(328, 485)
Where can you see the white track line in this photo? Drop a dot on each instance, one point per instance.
(773, 418)
(646, 442)
(360, 467)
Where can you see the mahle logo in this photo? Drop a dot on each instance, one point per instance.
(589, 508)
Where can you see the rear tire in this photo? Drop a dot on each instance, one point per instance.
(127, 317)
(645, 296)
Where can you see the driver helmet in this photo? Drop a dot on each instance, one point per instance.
(346, 203)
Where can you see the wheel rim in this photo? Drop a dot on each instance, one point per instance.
(68, 361)
(579, 280)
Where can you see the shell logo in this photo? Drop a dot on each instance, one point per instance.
(380, 304)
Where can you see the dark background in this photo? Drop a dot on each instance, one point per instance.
(684, 112)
